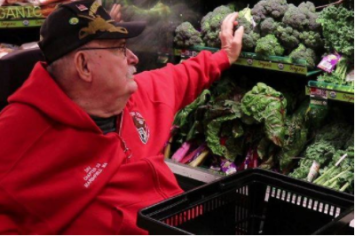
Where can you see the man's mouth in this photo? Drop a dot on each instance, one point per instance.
(131, 71)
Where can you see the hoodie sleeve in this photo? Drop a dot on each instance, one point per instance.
(179, 85)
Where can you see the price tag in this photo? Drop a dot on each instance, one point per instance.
(318, 93)
(316, 102)
(318, 97)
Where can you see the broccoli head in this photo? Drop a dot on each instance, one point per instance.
(303, 17)
(313, 24)
(246, 13)
(295, 18)
(245, 19)
(268, 26)
(210, 25)
(249, 41)
(248, 26)
(186, 35)
(307, 7)
(303, 53)
(269, 46)
(311, 39)
(288, 36)
(269, 8)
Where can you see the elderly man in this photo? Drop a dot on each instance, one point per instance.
(81, 141)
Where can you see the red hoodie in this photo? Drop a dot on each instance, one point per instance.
(60, 174)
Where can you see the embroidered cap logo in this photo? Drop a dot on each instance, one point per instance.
(98, 24)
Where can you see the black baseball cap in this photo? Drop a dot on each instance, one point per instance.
(74, 24)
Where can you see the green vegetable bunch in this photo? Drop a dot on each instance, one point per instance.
(338, 76)
(303, 21)
(269, 46)
(338, 30)
(211, 23)
(218, 114)
(302, 53)
(251, 34)
(296, 134)
(186, 36)
(269, 8)
(336, 133)
(320, 152)
(187, 121)
(339, 174)
(333, 150)
(268, 106)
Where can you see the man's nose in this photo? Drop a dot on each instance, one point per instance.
(132, 59)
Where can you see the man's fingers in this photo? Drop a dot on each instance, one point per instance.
(115, 12)
(238, 35)
(228, 23)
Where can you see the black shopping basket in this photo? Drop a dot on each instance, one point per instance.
(252, 202)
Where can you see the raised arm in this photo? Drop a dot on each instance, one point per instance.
(178, 85)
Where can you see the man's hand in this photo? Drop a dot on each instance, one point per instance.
(115, 12)
(231, 41)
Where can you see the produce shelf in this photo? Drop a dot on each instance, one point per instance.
(21, 23)
(330, 91)
(281, 64)
(195, 173)
(24, 16)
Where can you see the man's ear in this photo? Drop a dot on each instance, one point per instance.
(81, 61)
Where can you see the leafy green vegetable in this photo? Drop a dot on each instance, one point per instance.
(266, 105)
(215, 117)
(295, 136)
(336, 133)
(185, 119)
(320, 151)
(338, 76)
(339, 174)
(338, 29)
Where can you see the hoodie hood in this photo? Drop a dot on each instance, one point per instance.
(42, 92)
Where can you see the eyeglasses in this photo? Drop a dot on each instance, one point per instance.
(122, 49)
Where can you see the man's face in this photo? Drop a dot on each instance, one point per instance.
(113, 70)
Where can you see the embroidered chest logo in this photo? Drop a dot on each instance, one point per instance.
(91, 173)
(141, 126)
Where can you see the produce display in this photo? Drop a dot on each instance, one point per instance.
(272, 28)
(231, 127)
(228, 129)
(232, 123)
